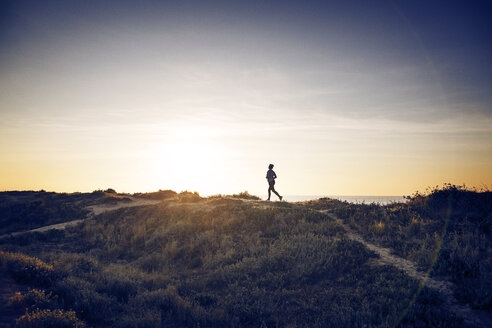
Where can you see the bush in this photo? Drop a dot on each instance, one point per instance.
(30, 269)
(34, 298)
(169, 302)
(49, 318)
(189, 197)
(158, 195)
(246, 195)
(3, 261)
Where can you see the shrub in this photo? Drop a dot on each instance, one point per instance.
(189, 197)
(34, 298)
(246, 195)
(3, 261)
(158, 195)
(169, 302)
(143, 318)
(98, 193)
(30, 269)
(117, 286)
(49, 318)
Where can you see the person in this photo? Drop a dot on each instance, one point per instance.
(271, 176)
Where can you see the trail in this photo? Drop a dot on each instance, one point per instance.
(98, 209)
(94, 210)
(445, 288)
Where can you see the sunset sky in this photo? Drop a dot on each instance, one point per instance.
(344, 97)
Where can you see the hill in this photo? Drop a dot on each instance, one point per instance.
(225, 261)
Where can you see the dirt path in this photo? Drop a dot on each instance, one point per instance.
(98, 209)
(95, 210)
(470, 316)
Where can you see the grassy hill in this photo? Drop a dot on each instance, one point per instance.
(25, 210)
(239, 262)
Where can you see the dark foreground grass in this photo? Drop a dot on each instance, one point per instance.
(220, 262)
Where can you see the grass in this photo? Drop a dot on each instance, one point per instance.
(25, 210)
(222, 262)
(447, 231)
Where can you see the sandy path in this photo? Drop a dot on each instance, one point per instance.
(98, 209)
(95, 210)
(470, 316)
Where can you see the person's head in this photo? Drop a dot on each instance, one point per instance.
(270, 166)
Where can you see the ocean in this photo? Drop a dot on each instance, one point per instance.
(383, 200)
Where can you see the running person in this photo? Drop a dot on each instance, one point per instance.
(271, 176)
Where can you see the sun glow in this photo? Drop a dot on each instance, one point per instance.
(189, 160)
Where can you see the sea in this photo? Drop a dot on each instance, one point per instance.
(382, 200)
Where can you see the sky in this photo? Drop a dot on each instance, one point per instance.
(343, 97)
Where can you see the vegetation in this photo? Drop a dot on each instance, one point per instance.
(242, 195)
(223, 262)
(33, 299)
(42, 308)
(246, 195)
(25, 210)
(49, 318)
(446, 230)
(29, 269)
(158, 195)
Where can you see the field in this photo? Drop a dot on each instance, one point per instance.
(236, 261)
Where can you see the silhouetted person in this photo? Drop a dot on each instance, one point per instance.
(271, 176)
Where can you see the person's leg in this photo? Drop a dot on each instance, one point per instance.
(269, 190)
(272, 187)
(276, 193)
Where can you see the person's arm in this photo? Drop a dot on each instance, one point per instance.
(274, 175)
